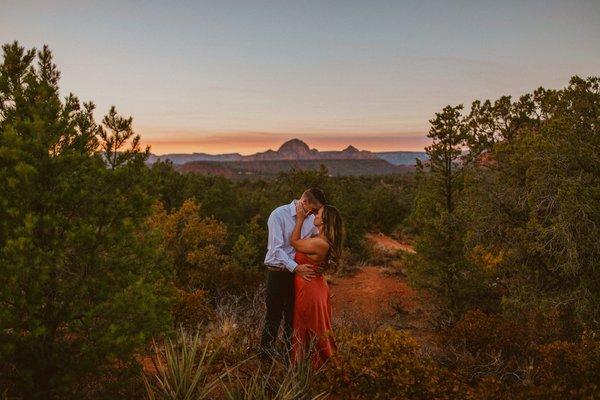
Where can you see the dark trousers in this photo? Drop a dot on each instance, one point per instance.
(280, 306)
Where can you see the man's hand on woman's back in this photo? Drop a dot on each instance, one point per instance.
(306, 271)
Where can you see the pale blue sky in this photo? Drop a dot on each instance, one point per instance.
(246, 75)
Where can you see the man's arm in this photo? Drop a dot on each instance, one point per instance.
(275, 246)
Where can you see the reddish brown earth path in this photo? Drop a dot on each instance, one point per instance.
(388, 244)
(372, 296)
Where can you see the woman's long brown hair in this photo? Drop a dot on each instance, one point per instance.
(333, 229)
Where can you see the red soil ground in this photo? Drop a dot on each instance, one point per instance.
(386, 243)
(371, 294)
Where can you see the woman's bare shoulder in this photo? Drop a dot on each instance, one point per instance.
(320, 239)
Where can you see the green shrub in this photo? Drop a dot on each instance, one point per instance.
(557, 371)
(192, 309)
(386, 364)
(486, 344)
(567, 370)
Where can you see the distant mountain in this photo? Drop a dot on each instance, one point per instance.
(402, 157)
(296, 149)
(184, 158)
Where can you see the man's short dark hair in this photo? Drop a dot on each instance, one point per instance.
(316, 195)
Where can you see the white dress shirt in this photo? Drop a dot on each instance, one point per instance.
(282, 220)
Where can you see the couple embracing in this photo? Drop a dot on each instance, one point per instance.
(305, 241)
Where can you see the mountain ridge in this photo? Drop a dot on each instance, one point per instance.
(296, 149)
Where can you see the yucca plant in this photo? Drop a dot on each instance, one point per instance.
(182, 369)
(280, 381)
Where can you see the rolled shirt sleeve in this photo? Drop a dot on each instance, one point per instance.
(275, 251)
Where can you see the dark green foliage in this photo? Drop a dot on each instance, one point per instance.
(440, 264)
(521, 243)
(83, 284)
(448, 134)
(522, 221)
(167, 185)
(249, 248)
(537, 204)
(366, 203)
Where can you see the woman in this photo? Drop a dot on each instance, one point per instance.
(312, 309)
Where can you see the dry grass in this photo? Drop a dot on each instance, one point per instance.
(219, 361)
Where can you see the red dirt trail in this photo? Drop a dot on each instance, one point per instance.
(371, 294)
(386, 243)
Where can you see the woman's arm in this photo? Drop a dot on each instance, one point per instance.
(312, 246)
(300, 217)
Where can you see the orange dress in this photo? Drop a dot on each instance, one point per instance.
(312, 317)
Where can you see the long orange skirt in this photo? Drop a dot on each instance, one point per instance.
(312, 318)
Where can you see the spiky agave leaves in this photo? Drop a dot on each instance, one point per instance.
(183, 369)
(280, 380)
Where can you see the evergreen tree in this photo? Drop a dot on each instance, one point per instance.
(535, 206)
(448, 134)
(84, 284)
(440, 265)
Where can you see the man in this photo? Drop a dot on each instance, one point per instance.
(281, 266)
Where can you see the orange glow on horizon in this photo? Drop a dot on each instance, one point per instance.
(254, 142)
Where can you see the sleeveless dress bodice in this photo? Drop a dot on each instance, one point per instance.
(302, 258)
(312, 317)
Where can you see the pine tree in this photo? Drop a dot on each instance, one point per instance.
(448, 134)
(84, 285)
(440, 265)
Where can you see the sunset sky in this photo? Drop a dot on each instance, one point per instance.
(243, 76)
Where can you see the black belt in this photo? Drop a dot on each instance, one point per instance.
(276, 269)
